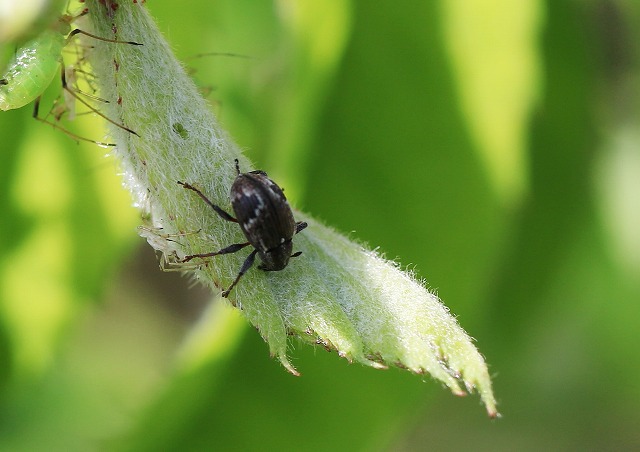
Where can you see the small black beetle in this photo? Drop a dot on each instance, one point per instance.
(265, 217)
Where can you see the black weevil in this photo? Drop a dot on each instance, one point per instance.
(265, 217)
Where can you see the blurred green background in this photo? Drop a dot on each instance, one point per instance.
(492, 146)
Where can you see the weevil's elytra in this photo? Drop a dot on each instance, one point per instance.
(265, 218)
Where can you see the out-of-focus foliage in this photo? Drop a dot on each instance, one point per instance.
(495, 148)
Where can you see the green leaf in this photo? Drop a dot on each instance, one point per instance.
(338, 294)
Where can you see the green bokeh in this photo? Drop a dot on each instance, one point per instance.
(370, 116)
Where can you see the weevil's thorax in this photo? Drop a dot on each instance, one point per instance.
(265, 218)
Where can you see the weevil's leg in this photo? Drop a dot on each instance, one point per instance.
(245, 267)
(228, 250)
(36, 109)
(78, 31)
(300, 225)
(237, 166)
(224, 215)
(85, 103)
